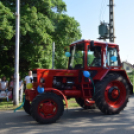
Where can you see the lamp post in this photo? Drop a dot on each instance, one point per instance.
(16, 72)
(53, 54)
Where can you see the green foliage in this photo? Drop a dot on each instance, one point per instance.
(78, 58)
(41, 23)
(90, 58)
(4, 105)
(131, 76)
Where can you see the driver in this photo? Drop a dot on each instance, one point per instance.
(97, 60)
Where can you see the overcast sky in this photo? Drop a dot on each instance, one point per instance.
(89, 13)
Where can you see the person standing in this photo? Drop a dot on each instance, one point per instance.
(3, 86)
(11, 85)
(29, 78)
(20, 88)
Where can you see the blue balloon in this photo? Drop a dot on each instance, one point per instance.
(113, 58)
(40, 89)
(67, 54)
(86, 74)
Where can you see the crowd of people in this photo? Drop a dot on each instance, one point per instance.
(7, 87)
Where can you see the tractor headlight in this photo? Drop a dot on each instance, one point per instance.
(42, 80)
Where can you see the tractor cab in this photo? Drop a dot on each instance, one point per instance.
(86, 54)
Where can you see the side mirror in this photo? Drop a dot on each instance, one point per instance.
(86, 74)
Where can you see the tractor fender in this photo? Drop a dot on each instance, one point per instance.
(101, 74)
(58, 92)
(124, 74)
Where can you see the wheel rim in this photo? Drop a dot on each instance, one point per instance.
(47, 108)
(115, 94)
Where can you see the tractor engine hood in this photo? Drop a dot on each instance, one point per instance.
(49, 74)
(55, 72)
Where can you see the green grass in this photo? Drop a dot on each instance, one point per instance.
(72, 103)
(131, 77)
(4, 105)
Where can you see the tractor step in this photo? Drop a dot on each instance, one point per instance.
(89, 101)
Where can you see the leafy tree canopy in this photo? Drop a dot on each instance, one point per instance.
(41, 23)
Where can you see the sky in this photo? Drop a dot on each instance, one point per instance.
(89, 13)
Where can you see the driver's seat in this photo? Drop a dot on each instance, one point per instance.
(78, 66)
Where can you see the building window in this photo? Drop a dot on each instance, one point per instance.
(127, 68)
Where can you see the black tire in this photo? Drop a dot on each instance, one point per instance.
(100, 97)
(42, 97)
(27, 107)
(80, 101)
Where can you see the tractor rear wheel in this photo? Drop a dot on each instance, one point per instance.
(80, 101)
(111, 95)
(47, 108)
(27, 107)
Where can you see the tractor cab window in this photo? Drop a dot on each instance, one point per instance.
(76, 60)
(112, 57)
(94, 56)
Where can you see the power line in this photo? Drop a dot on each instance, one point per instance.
(101, 9)
(103, 13)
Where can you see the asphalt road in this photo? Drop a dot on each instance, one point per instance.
(74, 121)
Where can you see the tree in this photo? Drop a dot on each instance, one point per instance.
(90, 59)
(41, 23)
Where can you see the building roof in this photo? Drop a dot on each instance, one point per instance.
(128, 64)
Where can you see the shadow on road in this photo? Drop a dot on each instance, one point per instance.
(72, 121)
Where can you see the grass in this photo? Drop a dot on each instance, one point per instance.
(131, 77)
(72, 103)
(4, 105)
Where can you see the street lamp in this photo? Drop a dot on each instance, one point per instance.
(16, 72)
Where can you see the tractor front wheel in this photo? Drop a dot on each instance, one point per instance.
(47, 108)
(111, 95)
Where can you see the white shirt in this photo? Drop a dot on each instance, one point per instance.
(3, 84)
(28, 79)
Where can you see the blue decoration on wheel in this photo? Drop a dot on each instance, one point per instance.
(40, 90)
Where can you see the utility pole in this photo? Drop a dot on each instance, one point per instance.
(111, 21)
(16, 72)
(53, 54)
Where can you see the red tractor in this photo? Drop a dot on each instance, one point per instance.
(94, 78)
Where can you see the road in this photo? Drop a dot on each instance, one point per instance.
(74, 121)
